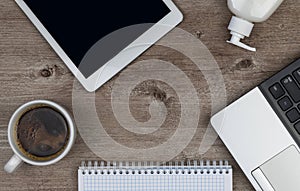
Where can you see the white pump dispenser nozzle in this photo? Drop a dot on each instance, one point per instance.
(248, 12)
(239, 29)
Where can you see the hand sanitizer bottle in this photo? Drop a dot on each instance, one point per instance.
(247, 12)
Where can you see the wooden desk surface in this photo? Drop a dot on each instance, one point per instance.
(31, 70)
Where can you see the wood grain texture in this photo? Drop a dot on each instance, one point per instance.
(31, 70)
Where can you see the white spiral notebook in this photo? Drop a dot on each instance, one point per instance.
(149, 176)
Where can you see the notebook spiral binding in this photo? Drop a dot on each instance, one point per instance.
(178, 167)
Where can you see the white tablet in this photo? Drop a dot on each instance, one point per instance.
(97, 39)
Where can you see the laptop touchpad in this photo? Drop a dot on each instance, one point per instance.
(282, 171)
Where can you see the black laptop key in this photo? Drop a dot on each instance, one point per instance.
(293, 115)
(291, 87)
(297, 127)
(296, 75)
(285, 103)
(276, 90)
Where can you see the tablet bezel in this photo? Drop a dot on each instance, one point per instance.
(122, 59)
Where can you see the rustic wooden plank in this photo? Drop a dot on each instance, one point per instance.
(31, 70)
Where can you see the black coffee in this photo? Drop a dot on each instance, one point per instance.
(42, 133)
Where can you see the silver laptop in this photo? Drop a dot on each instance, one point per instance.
(262, 131)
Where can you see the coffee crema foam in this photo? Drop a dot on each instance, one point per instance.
(42, 133)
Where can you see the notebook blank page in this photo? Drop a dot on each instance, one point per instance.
(155, 182)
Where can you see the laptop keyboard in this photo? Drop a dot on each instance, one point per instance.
(283, 93)
(288, 93)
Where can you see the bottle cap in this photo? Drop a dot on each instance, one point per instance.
(239, 29)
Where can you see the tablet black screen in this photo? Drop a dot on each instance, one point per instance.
(77, 25)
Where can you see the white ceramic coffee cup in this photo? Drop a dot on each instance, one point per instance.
(18, 158)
